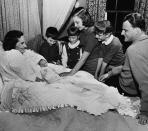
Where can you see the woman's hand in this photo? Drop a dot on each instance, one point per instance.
(65, 74)
(143, 119)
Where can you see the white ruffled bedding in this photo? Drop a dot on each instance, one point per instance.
(81, 91)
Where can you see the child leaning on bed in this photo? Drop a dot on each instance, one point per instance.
(50, 48)
(71, 49)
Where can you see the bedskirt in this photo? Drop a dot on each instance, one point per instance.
(68, 119)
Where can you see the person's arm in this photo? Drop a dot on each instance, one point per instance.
(19, 66)
(109, 53)
(100, 60)
(103, 68)
(79, 64)
(44, 50)
(114, 71)
(33, 56)
(64, 57)
(139, 67)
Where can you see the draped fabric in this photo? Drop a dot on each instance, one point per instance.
(96, 9)
(141, 6)
(68, 119)
(56, 12)
(21, 15)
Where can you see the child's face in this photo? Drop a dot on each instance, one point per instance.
(43, 63)
(51, 41)
(102, 36)
(73, 39)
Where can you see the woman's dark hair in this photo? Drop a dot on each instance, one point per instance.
(77, 10)
(52, 32)
(73, 31)
(136, 20)
(86, 18)
(11, 39)
(103, 27)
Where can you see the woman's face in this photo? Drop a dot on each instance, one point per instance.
(21, 45)
(78, 23)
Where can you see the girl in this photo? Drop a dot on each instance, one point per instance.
(71, 50)
(88, 62)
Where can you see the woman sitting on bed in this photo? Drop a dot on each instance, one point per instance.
(25, 92)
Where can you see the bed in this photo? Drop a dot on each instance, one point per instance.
(67, 118)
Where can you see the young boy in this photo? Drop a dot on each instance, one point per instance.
(71, 50)
(112, 59)
(50, 49)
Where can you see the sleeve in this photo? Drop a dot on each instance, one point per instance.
(34, 56)
(109, 54)
(139, 67)
(20, 67)
(126, 78)
(91, 42)
(44, 50)
(64, 57)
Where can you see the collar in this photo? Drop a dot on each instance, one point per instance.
(141, 38)
(72, 46)
(109, 40)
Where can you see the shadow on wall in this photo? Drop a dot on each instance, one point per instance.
(35, 43)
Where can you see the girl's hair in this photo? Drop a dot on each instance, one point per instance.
(11, 39)
(136, 20)
(73, 31)
(52, 32)
(86, 18)
(103, 27)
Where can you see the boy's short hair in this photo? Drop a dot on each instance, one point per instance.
(52, 32)
(103, 27)
(73, 31)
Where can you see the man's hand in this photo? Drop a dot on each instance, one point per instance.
(143, 119)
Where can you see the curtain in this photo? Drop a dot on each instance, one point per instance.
(96, 9)
(56, 12)
(141, 6)
(21, 15)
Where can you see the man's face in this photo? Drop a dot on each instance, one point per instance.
(128, 32)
